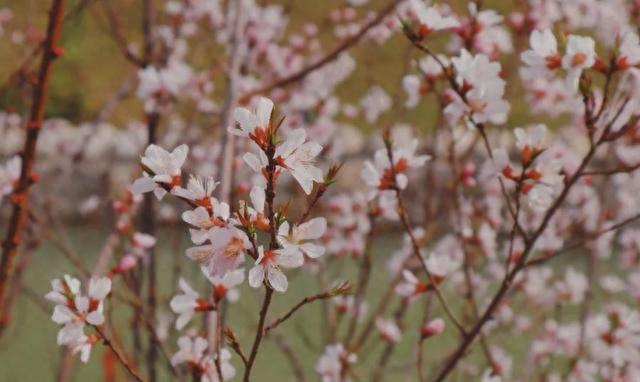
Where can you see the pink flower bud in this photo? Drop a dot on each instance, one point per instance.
(127, 262)
(433, 327)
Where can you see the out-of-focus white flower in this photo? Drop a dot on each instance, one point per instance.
(629, 52)
(186, 304)
(164, 167)
(411, 287)
(311, 230)
(573, 288)
(430, 19)
(331, 365)
(412, 85)
(379, 175)
(489, 376)
(433, 327)
(580, 55)
(484, 100)
(269, 266)
(441, 265)
(159, 84)
(388, 329)
(543, 55)
(63, 290)
(374, 103)
(225, 286)
(347, 304)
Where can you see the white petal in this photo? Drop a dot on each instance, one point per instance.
(62, 314)
(95, 318)
(179, 155)
(183, 320)
(290, 257)
(82, 303)
(277, 279)
(142, 185)
(159, 192)
(198, 236)
(252, 161)
(263, 111)
(304, 180)
(313, 229)
(99, 288)
(312, 250)
(256, 276)
(257, 196)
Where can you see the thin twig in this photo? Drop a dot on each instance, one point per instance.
(134, 373)
(339, 290)
(346, 44)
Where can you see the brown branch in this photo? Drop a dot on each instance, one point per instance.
(268, 293)
(235, 345)
(613, 171)
(506, 283)
(20, 196)
(542, 260)
(118, 36)
(130, 368)
(341, 289)
(346, 44)
(363, 280)
(148, 226)
(404, 218)
(273, 227)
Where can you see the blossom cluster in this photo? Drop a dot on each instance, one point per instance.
(486, 192)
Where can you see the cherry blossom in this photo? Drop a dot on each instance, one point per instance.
(269, 266)
(193, 353)
(254, 124)
(430, 19)
(411, 286)
(298, 158)
(161, 167)
(433, 327)
(333, 362)
(580, 55)
(379, 174)
(185, 305)
(156, 84)
(225, 251)
(484, 100)
(293, 238)
(73, 311)
(388, 330)
(225, 287)
(199, 191)
(629, 53)
(543, 56)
